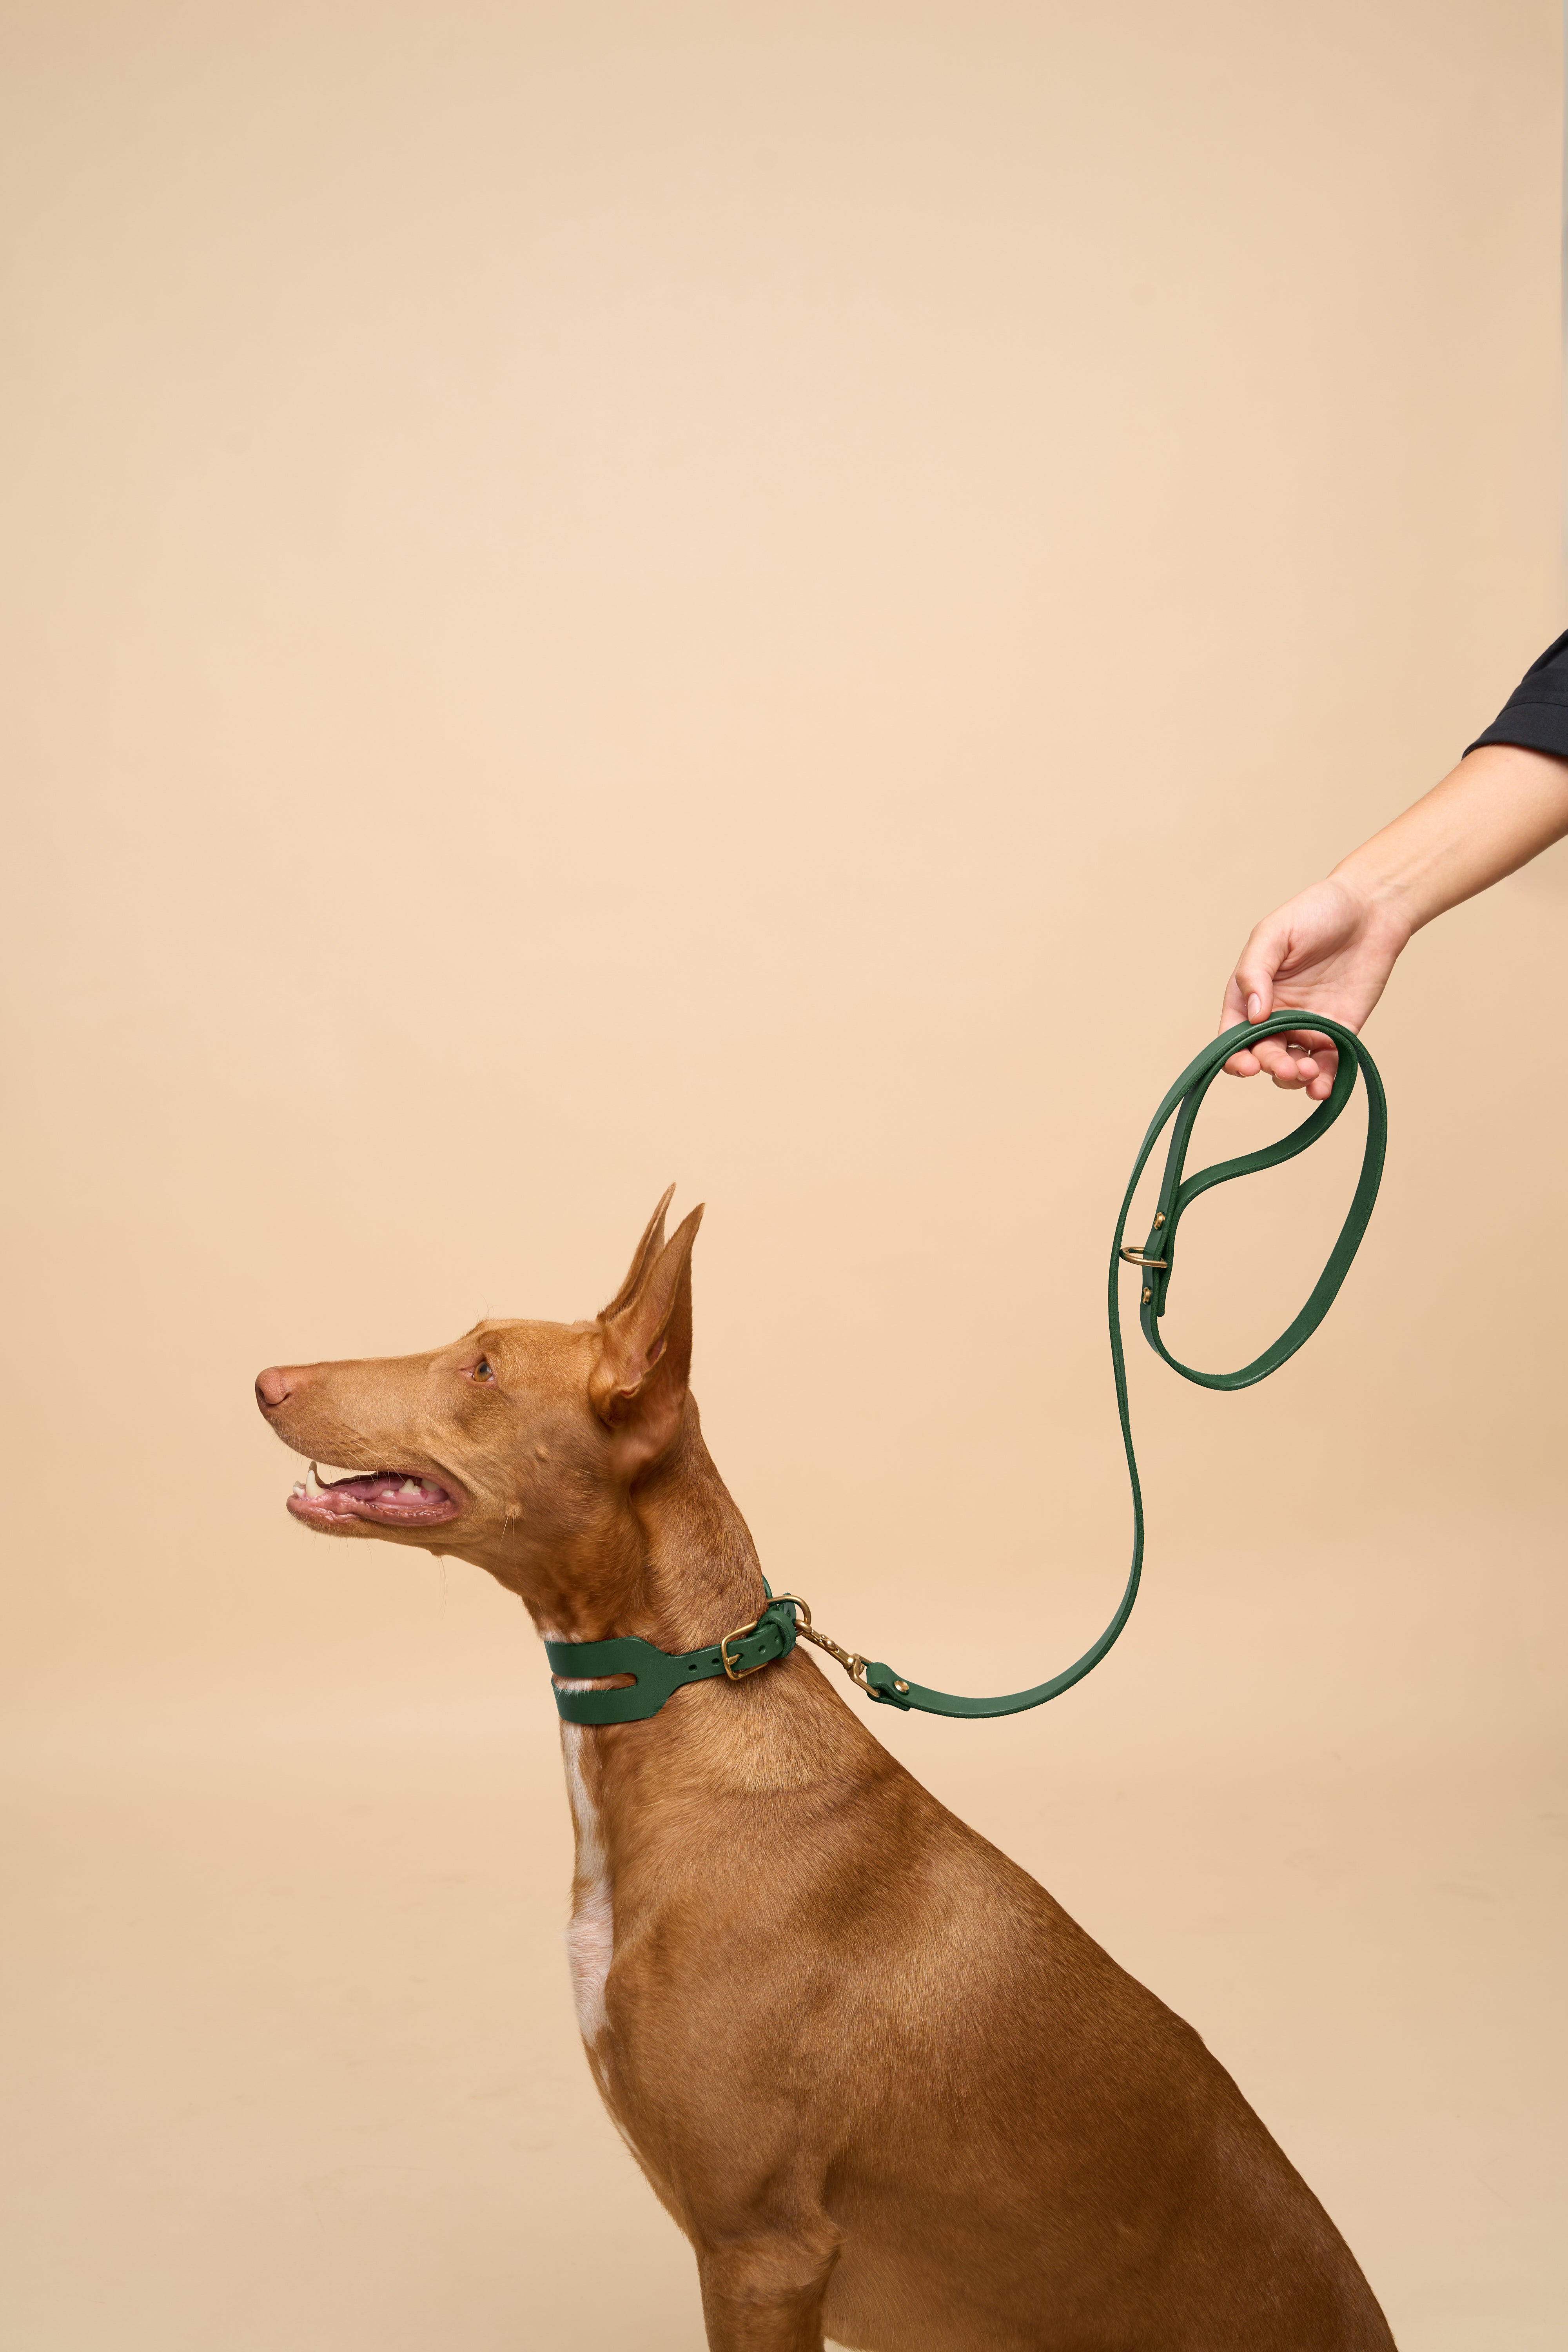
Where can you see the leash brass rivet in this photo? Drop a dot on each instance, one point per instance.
(1148, 1294)
(1160, 1217)
(899, 1686)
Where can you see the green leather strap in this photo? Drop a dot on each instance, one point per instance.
(1177, 1195)
(660, 1674)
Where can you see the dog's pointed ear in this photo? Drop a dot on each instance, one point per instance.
(637, 1387)
(643, 1256)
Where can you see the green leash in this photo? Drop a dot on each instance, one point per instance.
(773, 1634)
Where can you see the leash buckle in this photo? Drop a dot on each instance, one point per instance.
(736, 1672)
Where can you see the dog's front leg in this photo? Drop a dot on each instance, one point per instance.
(765, 2294)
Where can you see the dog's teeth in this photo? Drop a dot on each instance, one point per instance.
(299, 1486)
(312, 1483)
(412, 1486)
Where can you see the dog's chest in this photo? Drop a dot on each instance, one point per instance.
(591, 1936)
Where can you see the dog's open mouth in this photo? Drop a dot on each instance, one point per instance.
(392, 1498)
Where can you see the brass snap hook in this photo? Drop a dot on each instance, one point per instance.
(853, 1663)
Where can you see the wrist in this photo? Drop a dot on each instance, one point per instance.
(1387, 908)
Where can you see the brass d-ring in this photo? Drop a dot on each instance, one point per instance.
(1136, 1257)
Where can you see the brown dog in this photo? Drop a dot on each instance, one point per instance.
(885, 2087)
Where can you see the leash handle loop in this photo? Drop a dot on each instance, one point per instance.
(1156, 1263)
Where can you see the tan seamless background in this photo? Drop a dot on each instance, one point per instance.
(758, 595)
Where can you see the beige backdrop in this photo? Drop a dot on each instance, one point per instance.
(758, 593)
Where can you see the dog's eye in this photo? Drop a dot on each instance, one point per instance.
(482, 1369)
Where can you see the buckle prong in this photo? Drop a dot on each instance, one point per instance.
(738, 1673)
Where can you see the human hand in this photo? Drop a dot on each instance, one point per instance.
(1329, 951)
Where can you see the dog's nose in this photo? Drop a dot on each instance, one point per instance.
(274, 1386)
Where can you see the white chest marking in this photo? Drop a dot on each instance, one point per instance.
(590, 1937)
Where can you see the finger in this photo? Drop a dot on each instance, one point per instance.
(1316, 1060)
(1302, 1045)
(1250, 993)
(1288, 1074)
(1242, 1065)
(1260, 960)
(1234, 1008)
(1314, 1040)
(1314, 1072)
(1275, 1058)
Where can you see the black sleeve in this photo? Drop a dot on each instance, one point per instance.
(1536, 713)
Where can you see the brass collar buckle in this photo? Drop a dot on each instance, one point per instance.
(732, 1667)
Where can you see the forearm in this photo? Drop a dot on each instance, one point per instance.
(1498, 809)
(1330, 949)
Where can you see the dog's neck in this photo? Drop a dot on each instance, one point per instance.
(672, 1561)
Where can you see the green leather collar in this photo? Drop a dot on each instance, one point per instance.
(773, 1634)
(660, 1673)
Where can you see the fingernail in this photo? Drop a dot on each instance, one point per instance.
(1255, 1008)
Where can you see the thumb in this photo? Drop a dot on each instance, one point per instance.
(1260, 959)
